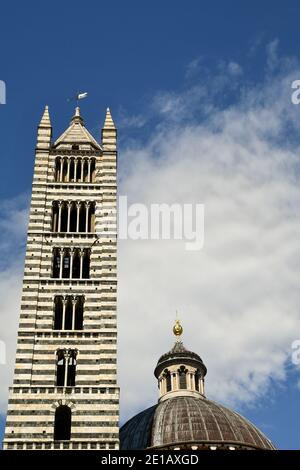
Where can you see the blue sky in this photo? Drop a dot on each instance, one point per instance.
(161, 67)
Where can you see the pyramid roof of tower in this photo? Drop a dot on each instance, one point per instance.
(77, 133)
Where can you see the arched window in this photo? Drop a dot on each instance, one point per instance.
(71, 370)
(73, 217)
(79, 168)
(66, 367)
(79, 313)
(62, 423)
(80, 263)
(66, 264)
(182, 377)
(82, 217)
(56, 263)
(91, 226)
(68, 313)
(57, 169)
(64, 217)
(93, 170)
(58, 313)
(85, 170)
(54, 217)
(86, 265)
(168, 380)
(60, 368)
(71, 174)
(76, 264)
(64, 169)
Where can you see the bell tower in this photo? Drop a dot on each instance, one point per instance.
(64, 393)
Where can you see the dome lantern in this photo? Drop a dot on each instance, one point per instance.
(179, 371)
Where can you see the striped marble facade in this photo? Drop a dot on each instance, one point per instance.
(94, 397)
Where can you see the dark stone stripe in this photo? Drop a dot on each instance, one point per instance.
(92, 412)
(35, 424)
(73, 436)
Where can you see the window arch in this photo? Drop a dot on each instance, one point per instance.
(68, 312)
(86, 264)
(79, 313)
(85, 170)
(64, 217)
(71, 263)
(62, 423)
(56, 263)
(182, 377)
(168, 380)
(57, 169)
(93, 170)
(58, 312)
(66, 264)
(76, 264)
(66, 368)
(74, 169)
(55, 213)
(82, 218)
(73, 216)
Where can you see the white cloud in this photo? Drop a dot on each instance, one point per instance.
(234, 68)
(10, 298)
(238, 298)
(272, 53)
(126, 120)
(13, 223)
(205, 89)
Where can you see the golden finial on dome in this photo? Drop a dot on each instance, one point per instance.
(177, 329)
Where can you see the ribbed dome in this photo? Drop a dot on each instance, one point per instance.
(188, 420)
(179, 354)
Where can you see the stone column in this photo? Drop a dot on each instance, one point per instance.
(55, 220)
(64, 313)
(82, 165)
(87, 206)
(78, 214)
(61, 169)
(201, 386)
(81, 263)
(74, 301)
(195, 377)
(59, 215)
(67, 358)
(69, 215)
(75, 169)
(68, 169)
(89, 170)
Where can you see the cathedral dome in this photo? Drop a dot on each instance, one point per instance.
(184, 418)
(190, 422)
